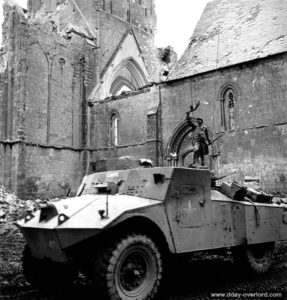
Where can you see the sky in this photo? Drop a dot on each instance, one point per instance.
(176, 20)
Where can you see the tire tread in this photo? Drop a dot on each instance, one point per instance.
(106, 260)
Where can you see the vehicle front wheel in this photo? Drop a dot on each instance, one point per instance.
(258, 258)
(130, 269)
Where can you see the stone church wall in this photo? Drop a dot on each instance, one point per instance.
(52, 59)
(112, 28)
(49, 135)
(261, 86)
(134, 112)
(255, 147)
(43, 109)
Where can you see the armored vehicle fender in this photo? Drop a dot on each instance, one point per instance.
(122, 225)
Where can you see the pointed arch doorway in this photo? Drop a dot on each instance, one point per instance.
(180, 148)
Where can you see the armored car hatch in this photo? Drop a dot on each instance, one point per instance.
(123, 225)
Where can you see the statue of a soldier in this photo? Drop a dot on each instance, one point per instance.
(201, 143)
(201, 139)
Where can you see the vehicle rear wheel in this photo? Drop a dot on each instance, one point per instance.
(258, 258)
(45, 274)
(130, 269)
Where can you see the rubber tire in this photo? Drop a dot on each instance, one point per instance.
(257, 258)
(46, 275)
(106, 268)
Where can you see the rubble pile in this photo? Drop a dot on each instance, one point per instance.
(11, 241)
(12, 208)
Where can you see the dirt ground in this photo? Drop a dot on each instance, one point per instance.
(194, 280)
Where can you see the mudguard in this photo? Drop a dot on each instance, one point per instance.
(62, 224)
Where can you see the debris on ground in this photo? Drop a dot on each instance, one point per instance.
(12, 208)
(13, 285)
(11, 241)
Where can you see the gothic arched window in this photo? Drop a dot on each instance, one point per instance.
(230, 110)
(128, 76)
(114, 123)
(228, 106)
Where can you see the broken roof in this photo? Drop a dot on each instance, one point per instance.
(234, 31)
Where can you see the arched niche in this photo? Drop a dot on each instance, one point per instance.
(114, 129)
(229, 96)
(180, 148)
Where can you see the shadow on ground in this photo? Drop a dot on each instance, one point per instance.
(186, 281)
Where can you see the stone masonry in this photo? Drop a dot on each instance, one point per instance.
(60, 57)
(52, 58)
(233, 59)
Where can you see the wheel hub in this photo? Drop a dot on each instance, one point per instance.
(133, 271)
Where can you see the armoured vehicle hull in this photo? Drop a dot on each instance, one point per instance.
(123, 225)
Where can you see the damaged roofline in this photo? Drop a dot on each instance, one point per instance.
(171, 81)
(224, 67)
(91, 32)
(141, 90)
(81, 34)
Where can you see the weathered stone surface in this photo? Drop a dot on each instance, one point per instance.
(57, 55)
(255, 147)
(231, 32)
(51, 61)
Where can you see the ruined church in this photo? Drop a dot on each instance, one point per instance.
(81, 81)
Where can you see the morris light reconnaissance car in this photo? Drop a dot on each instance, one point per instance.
(123, 225)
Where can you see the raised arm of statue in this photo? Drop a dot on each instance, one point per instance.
(192, 109)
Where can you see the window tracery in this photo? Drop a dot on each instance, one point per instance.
(229, 94)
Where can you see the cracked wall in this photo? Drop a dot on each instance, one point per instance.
(232, 32)
(45, 79)
(51, 60)
(138, 126)
(255, 148)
